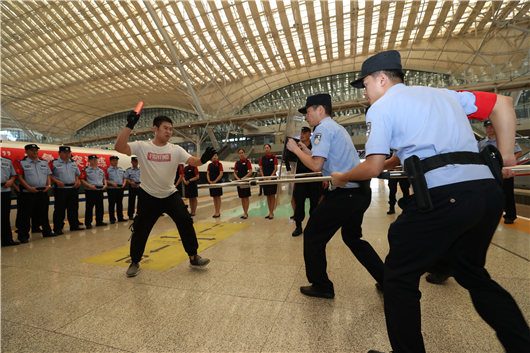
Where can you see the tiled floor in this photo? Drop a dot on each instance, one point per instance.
(247, 300)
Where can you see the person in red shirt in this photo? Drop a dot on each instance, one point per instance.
(243, 169)
(269, 166)
(214, 175)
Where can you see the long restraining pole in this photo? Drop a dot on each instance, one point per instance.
(176, 59)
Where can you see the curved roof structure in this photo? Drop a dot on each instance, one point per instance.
(67, 63)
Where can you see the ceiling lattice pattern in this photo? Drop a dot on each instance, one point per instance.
(67, 63)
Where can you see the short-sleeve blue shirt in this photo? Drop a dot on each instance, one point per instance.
(115, 175)
(34, 173)
(94, 176)
(486, 141)
(332, 142)
(133, 175)
(65, 171)
(8, 171)
(425, 122)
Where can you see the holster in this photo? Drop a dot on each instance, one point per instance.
(493, 159)
(416, 175)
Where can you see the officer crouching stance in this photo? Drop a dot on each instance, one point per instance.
(344, 207)
(34, 177)
(457, 211)
(95, 182)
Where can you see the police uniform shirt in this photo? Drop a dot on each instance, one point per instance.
(65, 171)
(486, 141)
(332, 142)
(8, 171)
(93, 176)
(133, 175)
(34, 173)
(425, 121)
(115, 175)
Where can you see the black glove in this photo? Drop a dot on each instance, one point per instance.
(132, 119)
(208, 154)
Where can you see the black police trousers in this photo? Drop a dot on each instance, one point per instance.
(27, 203)
(7, 235)
(301, 192)
(404, 183)
(66, 200)
(459, 229)
(150, 208)
(509, 199)
(93, 198)
(131, 207)
(340, 208)
(115, 197)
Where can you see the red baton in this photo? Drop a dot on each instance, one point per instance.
(139, 107)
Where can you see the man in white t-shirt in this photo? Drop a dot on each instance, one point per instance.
(159, 161)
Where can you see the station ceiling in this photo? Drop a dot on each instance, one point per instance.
(65, 64)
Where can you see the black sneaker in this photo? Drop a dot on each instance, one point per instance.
(297, 232)
(133, 270)
(199, 262)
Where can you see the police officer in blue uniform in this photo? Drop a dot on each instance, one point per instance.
(457, 201)
(65, 175)
(95, 182)
(116, 183)
(34, 177)
(303, 191)
(8, 180)
(508, 184)
(132, 174)
(344, 206)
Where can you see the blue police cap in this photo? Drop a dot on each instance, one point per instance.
(65, 149)
(114, 157)
(92, 156)
(317, 99)
(134, 159)
(487, 123)
(387, 60)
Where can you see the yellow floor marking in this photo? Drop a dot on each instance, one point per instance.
(165, 250)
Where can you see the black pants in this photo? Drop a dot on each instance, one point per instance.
(509, 199)
(149, 210)
(340, 208)
(404, 183)
(301, 192)
(27, 203)
(93, 198)
(459, 229)
(66, 200)
(7, 235)
(133, 194)
(115, 202)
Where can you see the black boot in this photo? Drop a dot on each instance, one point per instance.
(391, 210)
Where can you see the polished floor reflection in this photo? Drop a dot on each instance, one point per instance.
(246, 300)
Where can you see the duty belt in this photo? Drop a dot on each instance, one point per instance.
(69, 184)
(416, 169)
(444, 159)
